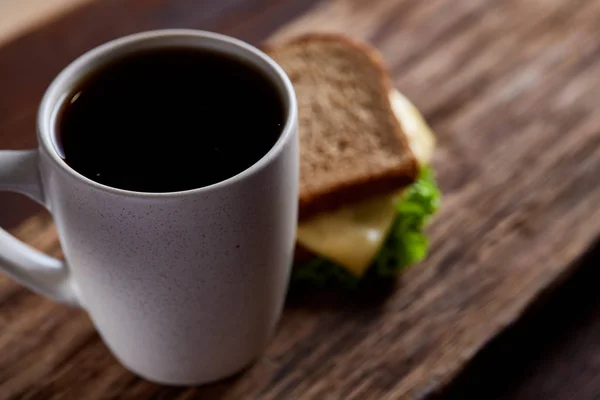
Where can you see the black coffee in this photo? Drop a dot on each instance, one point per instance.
(169, 120)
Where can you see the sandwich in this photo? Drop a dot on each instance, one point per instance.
(366, 186)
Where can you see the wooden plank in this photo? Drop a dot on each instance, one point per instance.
(510, 88)
(552, 352)
(20, 16)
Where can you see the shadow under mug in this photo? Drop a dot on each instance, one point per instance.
(183, 287)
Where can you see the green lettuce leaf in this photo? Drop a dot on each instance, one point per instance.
(406, 244)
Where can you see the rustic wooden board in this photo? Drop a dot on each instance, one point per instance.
(19, 16)
(511, 89)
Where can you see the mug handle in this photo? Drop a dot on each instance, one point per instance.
(37, 271)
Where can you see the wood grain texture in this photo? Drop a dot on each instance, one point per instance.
(18, 16)
(553, 352)
(511, 89)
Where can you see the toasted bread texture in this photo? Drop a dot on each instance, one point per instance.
(351, 144)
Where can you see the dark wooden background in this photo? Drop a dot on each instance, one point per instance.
(553, 352)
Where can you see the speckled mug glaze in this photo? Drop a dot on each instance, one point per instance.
(185, 287)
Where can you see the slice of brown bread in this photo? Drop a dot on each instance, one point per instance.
(351, 144)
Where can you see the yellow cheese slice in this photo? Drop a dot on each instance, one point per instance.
(351, 236)
(419, 134)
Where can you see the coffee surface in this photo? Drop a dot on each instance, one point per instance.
(169, 120)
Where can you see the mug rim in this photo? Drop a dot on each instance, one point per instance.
(53, 98)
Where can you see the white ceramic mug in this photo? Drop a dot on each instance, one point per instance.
(184, 287)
